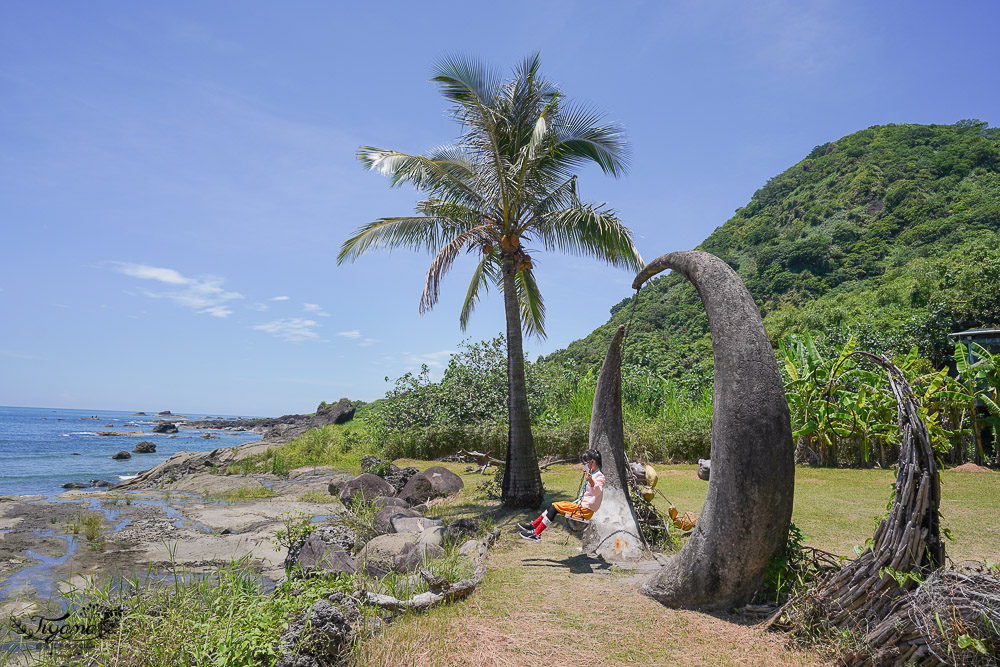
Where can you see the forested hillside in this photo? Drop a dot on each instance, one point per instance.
(891, 234)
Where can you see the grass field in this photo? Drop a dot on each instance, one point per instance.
(548, 604)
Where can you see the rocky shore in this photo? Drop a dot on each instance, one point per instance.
(287, 426)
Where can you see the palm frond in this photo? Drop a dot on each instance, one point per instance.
(467, 81)
(529, 299)
(417, 232)
(422, 172)
(588, 231)
(470, 239)
(579, 137)
(487, 271)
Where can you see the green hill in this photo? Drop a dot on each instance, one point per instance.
(891, 234)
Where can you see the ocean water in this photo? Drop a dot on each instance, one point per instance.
(37, 446)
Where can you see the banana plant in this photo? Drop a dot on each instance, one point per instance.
(979, 373)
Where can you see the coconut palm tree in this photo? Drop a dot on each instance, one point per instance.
(507, 181)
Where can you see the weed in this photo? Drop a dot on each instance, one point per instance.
(317, 497)
(249, 492)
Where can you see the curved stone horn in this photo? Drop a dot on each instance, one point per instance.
(744, 522)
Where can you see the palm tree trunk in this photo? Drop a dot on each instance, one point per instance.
(522, 480)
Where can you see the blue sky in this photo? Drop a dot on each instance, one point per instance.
(176, 178)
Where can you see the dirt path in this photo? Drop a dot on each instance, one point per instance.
(549, 604)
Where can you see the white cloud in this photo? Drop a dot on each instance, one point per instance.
(353, 334)
(280, 298)
(433, 360)
(261, 307)
(204, 294)
(368, 341)
(315, 308)
(293, 330)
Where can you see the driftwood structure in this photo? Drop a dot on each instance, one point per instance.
(895, 597)
(613, 532)
(748, 507)
(440, 589)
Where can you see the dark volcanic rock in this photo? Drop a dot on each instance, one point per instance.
(460, 529)
(398, 477)
(164, 413)
(316, 554)
(165, 427)
(379, 555)
(375, 465)
(100, 483)
(121, 456)
(368, 486)
(387, 501)
(139, 414)
(145, 447)
(337, 480)
(338, 413)
(322, 634)
(76, 485)
(417, 490)
(444, 481)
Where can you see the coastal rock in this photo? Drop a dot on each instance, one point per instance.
(139, 414)
(470, 549)
(100, 483)
(417, 490)
(340, 412)
(431, 535)
(318, 555)
(389, 501)
(375, 465)
(164, 413)
(322, 634)
(414, 555)
(144, 447)
(461, 529)
(412, 524)
(379, 555)
(337, 480)
(165, 427)
(383, 518)
(76, 485)
(367, 487)
(398, 477)
(121, 456)
(444, 481)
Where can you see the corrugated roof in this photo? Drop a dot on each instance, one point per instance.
(975, 332)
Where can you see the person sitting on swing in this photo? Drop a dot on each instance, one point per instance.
(591, 493)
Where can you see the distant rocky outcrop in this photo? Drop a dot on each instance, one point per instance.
(165, 413)
(165, 427)
(139, 414)
(121, 456)
(286, 427)
(144, 447)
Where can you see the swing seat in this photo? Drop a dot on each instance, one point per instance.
(577, 524)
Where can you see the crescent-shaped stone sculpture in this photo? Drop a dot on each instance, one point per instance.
(613, 532)
(744, 522)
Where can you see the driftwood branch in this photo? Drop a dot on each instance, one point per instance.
(895, 596)
(441, 590)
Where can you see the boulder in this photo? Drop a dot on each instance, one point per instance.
(461, 529)
(413, 556)
(417, 490)
(322, 634)
(337, 479)
(100, 483)
(366, 486)
(335, 538)
(121, 456)
(389, 501)
(337, 413)
(379, 555)
(444, 481)
(412, 524)
(398, 477)
(431, 535)
(704, 469)
(316, 555)
(469, 549)
(385, 515)
(76, 485)
(375, 465)
(165, 427)
(145, 447)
